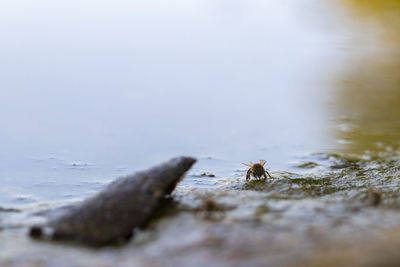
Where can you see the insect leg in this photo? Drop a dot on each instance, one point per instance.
(268, 175)
(248, 175)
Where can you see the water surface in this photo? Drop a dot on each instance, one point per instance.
(91, 91)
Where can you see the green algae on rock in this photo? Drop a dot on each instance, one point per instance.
(8, 210)
(308, 165)
(113, 214)
(348, 176)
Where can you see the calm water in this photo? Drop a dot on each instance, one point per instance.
(92, 90)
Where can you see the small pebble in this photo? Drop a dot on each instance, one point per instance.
(374, 197)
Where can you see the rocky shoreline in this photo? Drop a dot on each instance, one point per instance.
(319, 216)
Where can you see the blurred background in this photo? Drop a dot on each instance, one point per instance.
(90, 90)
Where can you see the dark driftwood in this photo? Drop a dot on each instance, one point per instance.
(116, 211)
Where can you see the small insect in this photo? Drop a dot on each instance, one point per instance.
(256, 170)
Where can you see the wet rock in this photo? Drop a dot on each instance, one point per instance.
(204, 174)
(209, 205)
(210, 209)
(8, 210)
(308, 165)
(36, 232)
(207, 174)
(374, 197)
(127, 203)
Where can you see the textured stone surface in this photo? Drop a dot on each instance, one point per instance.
(124, 205)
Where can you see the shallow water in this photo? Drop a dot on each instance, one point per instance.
(93, 91)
